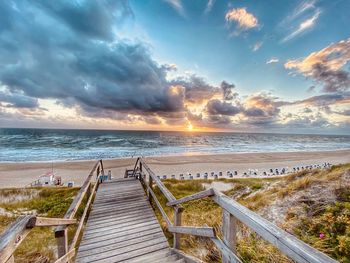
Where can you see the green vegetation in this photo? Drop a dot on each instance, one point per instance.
(313, 205)
(40, 244)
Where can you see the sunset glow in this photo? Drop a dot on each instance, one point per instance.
(145, 65)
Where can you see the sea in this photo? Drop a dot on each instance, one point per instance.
(38, 145)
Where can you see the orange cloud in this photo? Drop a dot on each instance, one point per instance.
(334, 57)
(244, 19)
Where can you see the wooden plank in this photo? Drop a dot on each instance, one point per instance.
(195, 231)
(14, 235)
(137, 234)
(60, 232)
(111, 227)
(129, 220)
(117, 206)
(199, 195)
(46, 221)
(125, 229)
(105, 248)
(285, 242)
(130, 214)
(116, 211)
(226, 251)
(150, 258)
(82, 219)
(126, 252)
(67, 257)
(165, 216)
(229, 230)
(120, 219)
(188, 258)
(122, 236)
(177, 223)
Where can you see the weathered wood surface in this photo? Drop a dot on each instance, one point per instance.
(195, 231)
(229, 231)
(165, 216)
(226, 252)
(82, 219)
(14, 235)
(159, 183)
(122, 227)
(205, 193)
(46, 221)
(67, 257)
(61, 231)
(285, 242)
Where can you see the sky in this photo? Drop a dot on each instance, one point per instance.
(199, 65)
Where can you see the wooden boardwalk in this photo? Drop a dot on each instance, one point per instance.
(122, 227)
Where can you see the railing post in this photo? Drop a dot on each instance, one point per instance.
(150, 183)
(177, 222)
(229, 231)
(88, 190)
(140, 170)
(62, 242)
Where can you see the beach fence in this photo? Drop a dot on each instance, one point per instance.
(109, 201)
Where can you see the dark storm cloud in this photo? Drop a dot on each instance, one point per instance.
(332, 80)
(196, 88)
(324, 100)
(227, 90)
(91, 18)
(217, 107)
(254, 112)
(17, 100)
(57, 56)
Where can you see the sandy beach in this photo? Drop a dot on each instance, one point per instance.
(22, 174)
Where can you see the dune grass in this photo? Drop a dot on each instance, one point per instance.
(40, 244)
(331, 216)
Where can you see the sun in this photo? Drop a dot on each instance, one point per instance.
(190, 127)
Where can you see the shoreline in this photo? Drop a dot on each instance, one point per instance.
(21, 174)
(171, 155)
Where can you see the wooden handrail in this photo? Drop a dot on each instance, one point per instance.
(199, 195)
(61, 231)
(232, 211)
(135, 166)
(158, 182)
(11, 238)
(285, 242)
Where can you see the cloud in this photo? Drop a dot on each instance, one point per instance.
(177, 5)
(18, 100)
(303, 26)
(227, 90)
(302, 8)
(217, 107)
(326, 66)
(209, 6)
(196, 88)
(272, 60)
(242, 18)
(324, 100)
(93, 74)
(89, 18)
(257, 46)
(261, 108)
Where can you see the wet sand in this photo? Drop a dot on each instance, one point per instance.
(22, 174)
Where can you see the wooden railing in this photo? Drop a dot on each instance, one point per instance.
(232, 213)
(67, 251)
(11, 238)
